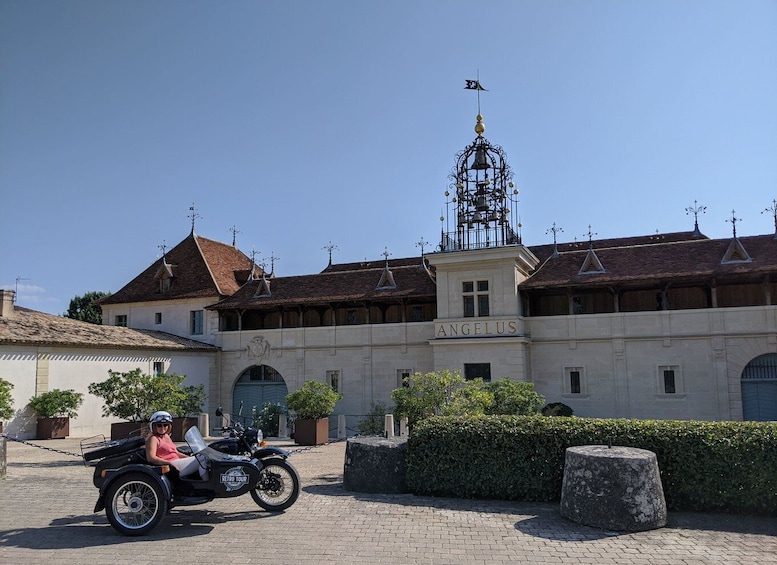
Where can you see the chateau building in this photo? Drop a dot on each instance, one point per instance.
(672, 325)
(663, 326)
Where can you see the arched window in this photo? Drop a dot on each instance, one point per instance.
(759, 389)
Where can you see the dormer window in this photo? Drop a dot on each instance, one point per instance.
(164, 275)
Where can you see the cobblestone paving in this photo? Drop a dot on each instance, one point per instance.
(46, 516)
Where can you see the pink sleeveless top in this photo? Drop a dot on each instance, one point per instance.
(167, 449)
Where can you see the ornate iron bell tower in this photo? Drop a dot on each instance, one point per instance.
(484, 198)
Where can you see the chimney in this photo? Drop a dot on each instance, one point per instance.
(6, 305)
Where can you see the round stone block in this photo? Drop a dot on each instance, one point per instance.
(613, 488)
(375, 465)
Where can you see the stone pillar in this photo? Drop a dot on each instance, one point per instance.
(375, 464)
(613, 488)
(342, 431)
(3, 447)
(283, 426)
(388, 425)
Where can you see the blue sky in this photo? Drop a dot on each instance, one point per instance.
(302, 123)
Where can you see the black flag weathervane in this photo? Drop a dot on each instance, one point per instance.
(470, 84)
(473, 85)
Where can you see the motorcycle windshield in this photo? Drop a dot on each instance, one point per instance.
(194, 438)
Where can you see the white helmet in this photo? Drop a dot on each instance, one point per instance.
(161, 417)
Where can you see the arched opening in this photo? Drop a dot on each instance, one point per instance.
(258, 385)
(759, 389)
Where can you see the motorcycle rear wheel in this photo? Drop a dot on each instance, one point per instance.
(135, 504)
(278, 486)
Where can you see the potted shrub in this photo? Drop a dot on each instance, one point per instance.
(6, 402)
(54, 410)
(133, 396)
(313, 403)
(191, 400)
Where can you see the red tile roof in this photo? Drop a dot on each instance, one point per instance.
(642, 263)
(201, 267)
(339, 283)
(30, 327)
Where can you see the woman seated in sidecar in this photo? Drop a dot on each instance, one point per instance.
(160, 449)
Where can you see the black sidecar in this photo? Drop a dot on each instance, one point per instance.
(136, 495)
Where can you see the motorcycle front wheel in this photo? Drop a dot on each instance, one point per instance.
(278, 486)
(135, 504)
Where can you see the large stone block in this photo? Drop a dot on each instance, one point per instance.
(375, 465)
(613, 488)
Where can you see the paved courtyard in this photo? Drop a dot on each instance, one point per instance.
(47, 497)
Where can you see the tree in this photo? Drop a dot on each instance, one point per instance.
(514, 397)
(84, 308)
(134, 396)
(440, 393)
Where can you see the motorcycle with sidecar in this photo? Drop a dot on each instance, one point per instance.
(136, 495)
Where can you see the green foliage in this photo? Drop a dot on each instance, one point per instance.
(84, 308)
(446, 393)
(57, 403)
(514, 397)
(429, 394)
(374, 422)
(556, 409)
(268, 418)
(470, 399)
(191, 402)
(6, 400)
(315, 400)
(134, 396)
(704, 466)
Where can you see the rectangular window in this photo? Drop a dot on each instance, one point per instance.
(333, 380)
(351, 317)
(403, 374)
(669, 384)
(476, 302)
(574, 380)
(159, 367)
(196, 322)
(669, 379)
(477, 371)
(158, 318)
(417, 314)
(121, 320)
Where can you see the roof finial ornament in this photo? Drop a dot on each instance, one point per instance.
(734, 221)
(163, 248)
(591, 235)
(773, 210)
(254, 252)
(386, 254)
(555, 230)
(469, 84)
(273, 259)
(422, 243)
(193, 215)
(696, 209)
(329, 248)
(234, 231)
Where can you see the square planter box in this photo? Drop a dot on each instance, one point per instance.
(181, 426)
(53, 428)
(121, 430)
(311, 432)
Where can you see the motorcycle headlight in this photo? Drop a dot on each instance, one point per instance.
(253, 435)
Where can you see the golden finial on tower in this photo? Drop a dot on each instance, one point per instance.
(480, 127)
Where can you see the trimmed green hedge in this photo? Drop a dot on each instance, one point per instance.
(705, 466)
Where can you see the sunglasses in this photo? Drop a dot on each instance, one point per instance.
(162, 424)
